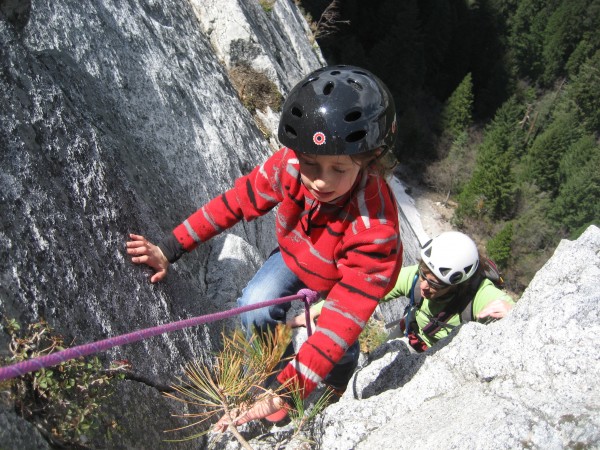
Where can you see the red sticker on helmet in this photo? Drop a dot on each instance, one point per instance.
(319, 138)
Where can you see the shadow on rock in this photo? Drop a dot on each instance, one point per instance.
(16, 12)
(390, 366)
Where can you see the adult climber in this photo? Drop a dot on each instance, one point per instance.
(449, 286)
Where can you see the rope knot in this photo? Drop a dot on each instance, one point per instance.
(310, 296)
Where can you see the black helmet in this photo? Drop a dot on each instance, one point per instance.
(338, 110)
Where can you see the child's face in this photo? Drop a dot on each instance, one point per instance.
(328, 177)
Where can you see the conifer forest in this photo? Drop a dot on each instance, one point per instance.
(499, 109)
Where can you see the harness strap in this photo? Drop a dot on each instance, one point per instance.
(411, 304)
(462, 305)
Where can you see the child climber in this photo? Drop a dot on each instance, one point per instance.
(336, 222)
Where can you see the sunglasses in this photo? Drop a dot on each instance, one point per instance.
(432, 284)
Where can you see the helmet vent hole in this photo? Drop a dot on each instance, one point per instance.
(297, 112)
(455, 277)
(355, 84)
(356, 136)
(335, 72)
(444, 270)
(290, 132)
(328, 88)
(353, 116)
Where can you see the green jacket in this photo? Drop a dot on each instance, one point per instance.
(486, 293)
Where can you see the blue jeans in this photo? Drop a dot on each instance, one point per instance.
(273, 280)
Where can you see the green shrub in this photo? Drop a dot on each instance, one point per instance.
(255, 89)
(372, 336)
(267, 5)
(62, 400)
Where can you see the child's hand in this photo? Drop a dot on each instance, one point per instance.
(145, 252)
(259, 410)
(300, 320)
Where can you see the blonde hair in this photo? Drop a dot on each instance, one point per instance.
(378, 161)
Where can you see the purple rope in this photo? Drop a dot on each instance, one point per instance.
(23, 367)
(307, 320)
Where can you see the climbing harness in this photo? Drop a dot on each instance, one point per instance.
(411, 309)
(308, 296)
(462, 306)
(408, 323)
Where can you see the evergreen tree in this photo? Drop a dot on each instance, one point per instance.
(563, 32)
(584, 91)
(534, 237)
(526, 38)
(548, 149)
(506, 8)
(577, 205)
(589, 43)
(458, 110)
(491, 190)
(499, 247)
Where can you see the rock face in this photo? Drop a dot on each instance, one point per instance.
(118, 117)
(527, 381)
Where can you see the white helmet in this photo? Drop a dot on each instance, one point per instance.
(452, 257)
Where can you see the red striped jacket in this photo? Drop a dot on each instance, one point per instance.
(349, 251)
